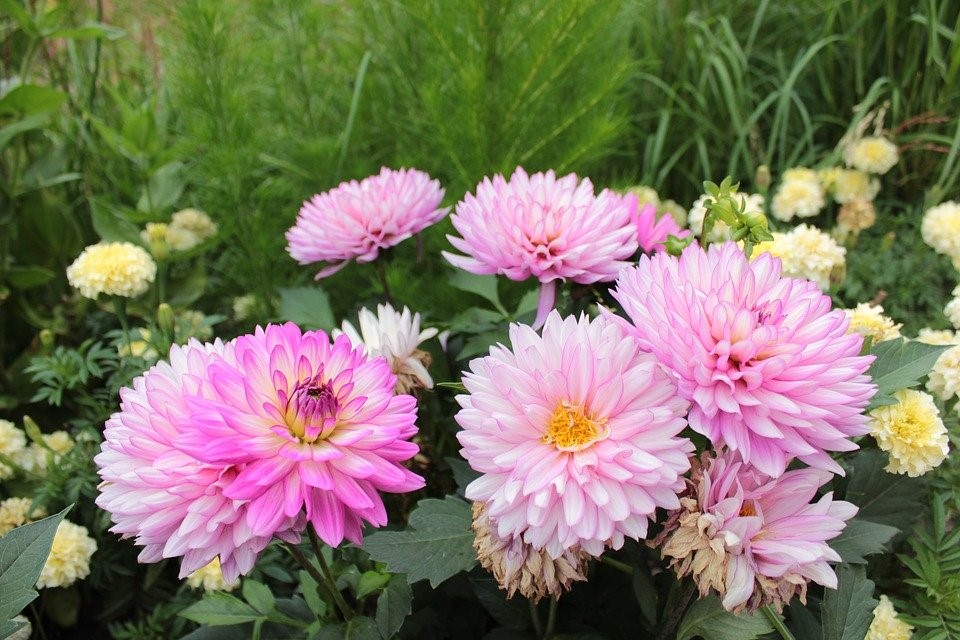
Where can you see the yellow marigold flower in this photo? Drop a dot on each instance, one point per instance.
(856, 216)
(941, 228)
(210, 577)
(912, 432)
(645, 195)
(849, 184)
(952, 311)
(806, 252)
(244, 306)
(34, 459)
(69, 558)
(12, 443)
(886, 625)
(872, 154)
(828, 177)
(114, 268)
(868, 320)
(802, 198)
(188, 228)
(16, 512)
(944, 380)
(937, 336)
(800, 173)
(674, 210)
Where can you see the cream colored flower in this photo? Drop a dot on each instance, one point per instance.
(849, 184)
(886, 625)
(154, 235)
(35, 459)
(806, 252)
(12, 443)
(802, 198)
(188, 228)
(941, 228)
(114, 268)
(868, 320)
(645, 195)
(210, 577)
(952, 311)
(872, 154)
(518, 567)
(396, 336)
(720, 231)
(69, 558)
(937, 336)
(944, 380)
(674, 210)
(800, 173)
(912, 432)
(856, 216)
(244, 306)
(139, 345)
(16, 512)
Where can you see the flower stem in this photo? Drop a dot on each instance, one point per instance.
(535, 618)
(345, 609)
(616, 564)
(314, 573)
(120, 308)
(382, 270)
(777, 622)
(551, 619)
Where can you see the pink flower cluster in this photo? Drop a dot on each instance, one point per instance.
(229, 445)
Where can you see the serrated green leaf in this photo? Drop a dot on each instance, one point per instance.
(219, 609)
(360, 628)
(311, 594)
(371, 581)
(847, 611)
(437, 545)
(394, 605)
(708, 619)
(308, 307)
(258, 595)
(887, 498)
(861, 538)
(463, 473)
(23, 552)
(899, 365)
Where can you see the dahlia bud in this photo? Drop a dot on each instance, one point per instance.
(517, 566)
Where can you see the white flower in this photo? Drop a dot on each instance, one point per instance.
(69, 558)
(800, 197)
(114, 268)
(941, 228)
(806, 252)
(188, 228)
(873, 154)
(868, 320)
(12, 443)
(912, 432)
(395, 336)
(886, 625)
(854, 185)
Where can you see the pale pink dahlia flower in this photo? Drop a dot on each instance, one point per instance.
(767, 364)
(358, 219)
(575, 433)
(544, 227)
(752, 539)
(652, 233)
(232, 444)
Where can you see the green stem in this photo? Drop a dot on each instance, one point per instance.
(345, 609)
(616, 564)
(535, 618)
(777, 622)
(161, 281)
(120, 308)
(551, 619)
(306, 564)
(382, 269)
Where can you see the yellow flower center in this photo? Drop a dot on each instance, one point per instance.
(570, 429)
(909, 429)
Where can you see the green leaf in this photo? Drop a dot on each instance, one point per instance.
(887, 498)
(513, 613)
(463, 473)
(23, 552)
(258, 595)
(163, 189)
(308, 307)
(862, 538)
(311, 594)
(29, 277)
(900, 365)
(24, 20)
(708, 619)
(8, 132)
(371, 581)
(110, 223)
(31, 99)
(483, 286)
(394, 605)
(847, 611)
(438, 544)
(219, 608)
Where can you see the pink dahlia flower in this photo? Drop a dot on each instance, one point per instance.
(575, 433)
(357, 219)
(652, 233)
(232, 444)
(767, 364)
(544, 227)
(754, 540)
